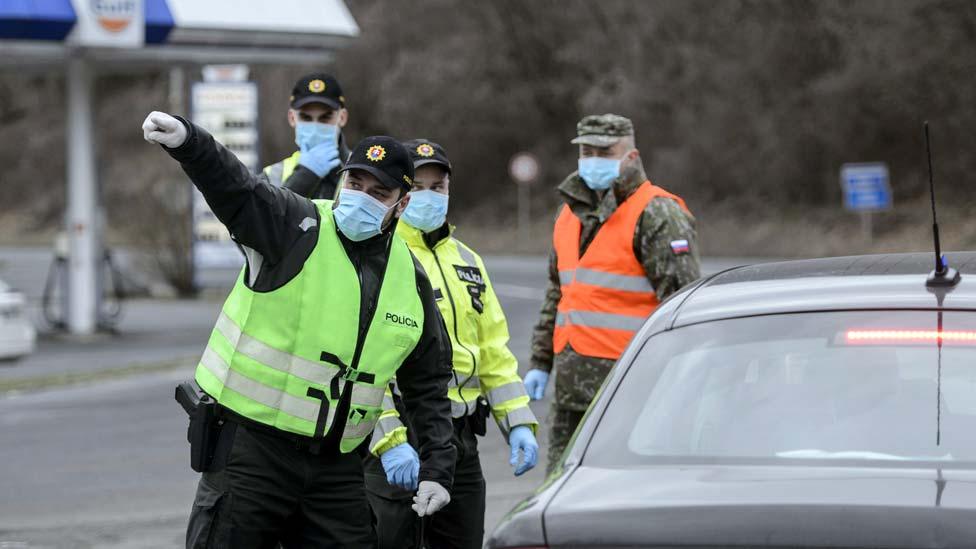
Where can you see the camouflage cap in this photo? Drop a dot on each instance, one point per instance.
(602, 130)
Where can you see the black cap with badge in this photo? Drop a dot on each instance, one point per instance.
(317, 88)
(425, 151)
(385, 159)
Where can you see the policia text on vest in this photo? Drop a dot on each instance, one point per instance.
(302, 352)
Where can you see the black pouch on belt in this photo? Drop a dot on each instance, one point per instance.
(209, 440)
(479, 419)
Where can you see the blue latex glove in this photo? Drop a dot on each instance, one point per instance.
(522, 439)
(321, 159)
(402, 466)
(535, 383)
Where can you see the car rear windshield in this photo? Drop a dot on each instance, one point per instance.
(853, 388)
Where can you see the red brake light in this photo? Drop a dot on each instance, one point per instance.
(875, 337)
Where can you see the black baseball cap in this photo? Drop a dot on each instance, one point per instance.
(425, 151)
(317, 87)
(385, 158)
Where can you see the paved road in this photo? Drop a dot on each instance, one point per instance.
(106, 465)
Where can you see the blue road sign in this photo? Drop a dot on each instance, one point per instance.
(866, 187)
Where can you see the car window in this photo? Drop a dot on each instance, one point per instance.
(842, 386)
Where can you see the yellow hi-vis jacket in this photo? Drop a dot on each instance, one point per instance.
(279, 172)
(483, 364)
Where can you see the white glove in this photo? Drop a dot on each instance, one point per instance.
(431, 497)
(162, 128)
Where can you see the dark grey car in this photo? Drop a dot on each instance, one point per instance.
(820, 403)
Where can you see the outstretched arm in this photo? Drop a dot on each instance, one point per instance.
(259, 216)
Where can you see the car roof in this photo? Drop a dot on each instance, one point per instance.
(865, 282)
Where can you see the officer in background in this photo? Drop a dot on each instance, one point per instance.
(318, 114)
(330, 307)
(620, 246)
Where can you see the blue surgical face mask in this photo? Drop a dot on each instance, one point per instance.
(598, 173)
(360, 216)
(310, 134)
(427, 210)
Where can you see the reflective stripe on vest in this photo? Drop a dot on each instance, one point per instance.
(626, 283)
(463, 401)
(320, 373)
(461, 409)
(606, 296)
(279, 172)
(314, 372)
(518, 416)
(609, 321)
(509, 391)
(269, 360)
(385, 426)
(465, 254)
(257, 391)
(461, 380)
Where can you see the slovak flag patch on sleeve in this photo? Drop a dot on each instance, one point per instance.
(680, 247)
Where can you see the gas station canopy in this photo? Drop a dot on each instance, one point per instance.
(85, 37)
(166, 31)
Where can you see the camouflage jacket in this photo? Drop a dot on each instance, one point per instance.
(663, 221)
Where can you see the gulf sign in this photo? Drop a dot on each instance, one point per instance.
(114, 15)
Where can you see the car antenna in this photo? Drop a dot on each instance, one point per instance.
(938, 391)
(943, 276)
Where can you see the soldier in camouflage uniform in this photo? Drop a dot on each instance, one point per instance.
(663, 243)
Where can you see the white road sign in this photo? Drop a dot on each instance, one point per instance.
(524, 168)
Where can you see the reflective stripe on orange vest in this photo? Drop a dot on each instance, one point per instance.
(606, 295)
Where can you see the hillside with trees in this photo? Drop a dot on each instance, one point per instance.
(747, 108)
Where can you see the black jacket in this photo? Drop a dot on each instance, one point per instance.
(272, 227)
(304, 181)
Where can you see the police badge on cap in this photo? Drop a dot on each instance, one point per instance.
(425, 151)
(317, 88)
(385, 159)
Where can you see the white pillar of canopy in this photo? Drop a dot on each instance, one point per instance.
(82, 218)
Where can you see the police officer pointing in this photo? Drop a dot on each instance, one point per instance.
(329, 307)
(317, 111)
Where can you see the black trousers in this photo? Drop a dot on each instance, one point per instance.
(272, 491)
(461, 524)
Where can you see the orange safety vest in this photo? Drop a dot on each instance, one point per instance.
(606, 295)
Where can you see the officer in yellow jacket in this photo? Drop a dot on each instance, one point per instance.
(486, 379)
